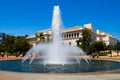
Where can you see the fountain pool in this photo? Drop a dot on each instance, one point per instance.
(38, 67)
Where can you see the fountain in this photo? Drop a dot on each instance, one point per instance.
(56, 52)
(56, 56)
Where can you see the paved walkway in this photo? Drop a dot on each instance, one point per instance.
(49, 76)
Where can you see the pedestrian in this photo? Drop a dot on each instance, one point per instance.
(97, 55)
(6, 54)
(2, 54)
(93, 55)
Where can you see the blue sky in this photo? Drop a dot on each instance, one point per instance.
(20, 17)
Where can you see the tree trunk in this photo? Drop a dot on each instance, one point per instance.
(117, 52)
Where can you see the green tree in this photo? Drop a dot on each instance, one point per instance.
(2, 48)
(117, 47)
(8, 44)
(86, 39)
(109, 48)
(91, 49)
(13, 44)
(21, 44)
(98, 46)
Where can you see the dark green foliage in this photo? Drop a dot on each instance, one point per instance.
(104, 53)
(117, 48)
(86, 40)
(98, 46)
(7, 44)
(87, 43)
(21, 44)
(109, 47)
(13, 44)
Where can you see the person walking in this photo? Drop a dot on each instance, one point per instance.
(93, 55)
(97, 55)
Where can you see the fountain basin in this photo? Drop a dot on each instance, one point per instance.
(38, 67)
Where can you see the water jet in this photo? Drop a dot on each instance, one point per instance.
(56, 52)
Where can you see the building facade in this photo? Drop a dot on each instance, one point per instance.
(106, 38)
(71, 35)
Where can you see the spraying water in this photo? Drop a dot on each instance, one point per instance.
(56, 52)
(56, 26)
